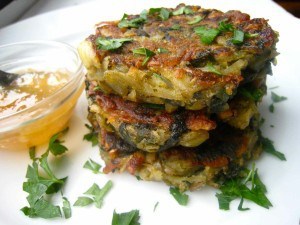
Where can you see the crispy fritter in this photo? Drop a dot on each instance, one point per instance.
(188, 73)
(150, 128)
(146, 127)
(185, 168)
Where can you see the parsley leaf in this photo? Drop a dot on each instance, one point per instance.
(83, 201)
(164, 14)
(144, 51)
(183, 10)
(133, 23)
(111, 43)
(43, 209)
(238, 37)
(144, 14)
(180, 197)
(92, 136)
(97, 194)
(276, 98)
(252, 93)
(223, 26)
(155, 206)
(268, 146)
(127, 218)
(224, 200)
(238, 188)
(66, 208)
(210, 68)
(175, 27)
(39, 187)
(240, 207)
(271, 108)
(207, 35)
(195, 20)
(32, 153)
(55, 146)
(92, 165)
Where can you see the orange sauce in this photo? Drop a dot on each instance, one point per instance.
(30, 88)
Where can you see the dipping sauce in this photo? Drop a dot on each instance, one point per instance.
(30, 88)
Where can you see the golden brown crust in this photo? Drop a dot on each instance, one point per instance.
(131, 112)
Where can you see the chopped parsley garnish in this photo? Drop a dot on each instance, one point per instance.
(111, 43)
(127, 218)
(175, 27)
(183, 10)
(262, 121)
(83, 201)
(133, 23)
(180, 197)
(40, 188)
(238, 37)
(144, 51)
(271, 108)
(210, 68)
(252, 93)
(162, 50)
(91, 136)
(66, 208)
(55, 145)
(163, 13)
(195, 20)
(250, 188)
(92, 165)
(207, 35)
(276, 98)
(97, 195)
(268, 146)
(32, 153)
(144, 14)
(155, 206)
(223, 26)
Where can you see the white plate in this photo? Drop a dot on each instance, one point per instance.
(281, 178)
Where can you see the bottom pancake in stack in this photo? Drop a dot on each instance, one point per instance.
(185, 149)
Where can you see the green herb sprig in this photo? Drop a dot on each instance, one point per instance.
(97, 195)
(40, 187)
(183, 10)
(275, 99)
(195, 20)
(128, 218)
(180, 197)
(163, 13)
(144, 51)
(92, 136)
(268, 146)
(55, 145)
(133, 23)
(239, 188)
(93, 166)
(208, 35)
(111, 43)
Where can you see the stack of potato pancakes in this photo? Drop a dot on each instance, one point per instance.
(173, 93)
